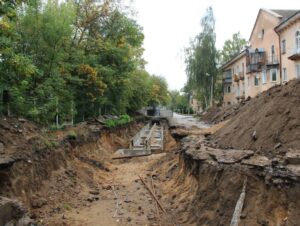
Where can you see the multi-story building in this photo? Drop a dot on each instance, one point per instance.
(234, 79)
(289, 32)
(263, 59)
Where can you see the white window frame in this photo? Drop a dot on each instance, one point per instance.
(284, 74)
(264, 77)
(271, 75)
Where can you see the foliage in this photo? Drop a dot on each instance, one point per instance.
(123, 119)
(179, 102)
(159, 94)
(201, 58)
(232, 47)
(72, 135)
(73, 60)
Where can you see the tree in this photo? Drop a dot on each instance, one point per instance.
(65, 60)
(232, 47)
(201, 58)
(159, 94)
(179, 101)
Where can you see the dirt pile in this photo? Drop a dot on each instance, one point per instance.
(218, 114)
(269, 122)
(18, 135)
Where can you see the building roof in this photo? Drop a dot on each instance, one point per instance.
(286, 21)
(234, 59)
(285, 14)
(281, 14)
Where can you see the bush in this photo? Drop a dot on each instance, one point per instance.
(72, 135)
(123, 119)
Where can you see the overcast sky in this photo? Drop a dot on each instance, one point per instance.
(170, 24)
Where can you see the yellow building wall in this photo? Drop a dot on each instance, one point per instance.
(289, 35)
(265, 22)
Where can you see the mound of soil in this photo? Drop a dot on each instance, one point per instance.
(218, 114)
(17, 134)
(269, 122)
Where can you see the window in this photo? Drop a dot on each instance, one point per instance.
(228, 89)
(297, 40)
(283, 47)
(261, 34)
(284, 74)
(273, 54)
(298, 71)
(273, 74)
(248, 79)
(256, 80)
(264, 77)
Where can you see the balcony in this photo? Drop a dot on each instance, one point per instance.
(238, 77)
(255, 59)
(227, 77)
(294, 54)
(253, 68)
(272, 60)
(242, 75)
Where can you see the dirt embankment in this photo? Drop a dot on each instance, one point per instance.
(53, 172)
(218, 114)
(206, 186)
(268, 123)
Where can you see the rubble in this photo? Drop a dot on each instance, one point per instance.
(13, 212)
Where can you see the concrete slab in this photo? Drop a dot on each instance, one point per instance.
(127, 153)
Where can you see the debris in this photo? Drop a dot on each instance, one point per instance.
(117, 203)
(1, 148)
(278, 145)
(154, 196)
(94, 192)
(293, 157)
(239, 206)
(38, 202)
(254, 137)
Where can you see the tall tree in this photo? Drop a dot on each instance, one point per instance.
(201, 58)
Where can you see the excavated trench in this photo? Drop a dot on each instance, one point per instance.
(209, 182)
(77, 183)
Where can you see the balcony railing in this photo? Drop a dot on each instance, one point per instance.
(256, 58)
(227, 77)
(253, 68)
(294, 54)
(227, 80)
(272, 60)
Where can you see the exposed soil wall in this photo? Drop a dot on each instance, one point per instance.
(208, 191)
(37, 168)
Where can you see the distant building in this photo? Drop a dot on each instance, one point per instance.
(195, 105)
(234, 79)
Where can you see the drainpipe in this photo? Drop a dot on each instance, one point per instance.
(280, 65)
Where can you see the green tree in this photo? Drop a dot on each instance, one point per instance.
(201, 58)
(159, 94)
(232, 47)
